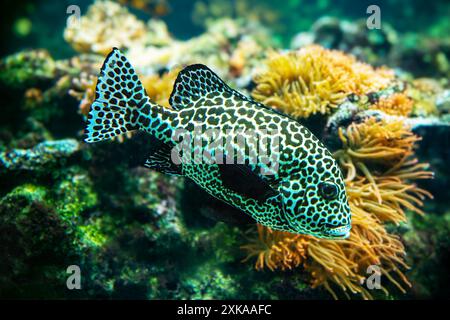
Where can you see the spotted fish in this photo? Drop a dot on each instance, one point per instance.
(305, 195)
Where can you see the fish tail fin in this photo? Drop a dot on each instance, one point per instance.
(120, 100)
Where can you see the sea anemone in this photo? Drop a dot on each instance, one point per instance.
(384, 142)
(379, 165)
(378, 159)
(276, 249)
(397, 104)
(315, 80)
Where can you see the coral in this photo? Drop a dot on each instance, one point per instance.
(138, 234)
(105, 25)
(208, 283)
(397, 104)
(37, 88)
(413, 52)
(204, 12)
(245, 57)
(40, 157)
(372, 46)
(41, 235)
(154, 7)
(223, 47)
(42, 103)
(244, 44)
(83, 89)
(427, 236)
(27, 68)
(423, 56)
(33, 96)
(83, 80)
(158, 34)
(36, 244)
(344, 263)
(315, 80)
(423, 92)
(378, 160)
(159, 88)
(74, 192)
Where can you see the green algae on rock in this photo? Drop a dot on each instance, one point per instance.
(27, 68)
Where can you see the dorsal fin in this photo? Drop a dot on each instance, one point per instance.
(198, 81)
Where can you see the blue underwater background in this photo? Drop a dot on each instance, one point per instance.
(139, 234)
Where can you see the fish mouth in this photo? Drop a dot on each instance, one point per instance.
(339, 232)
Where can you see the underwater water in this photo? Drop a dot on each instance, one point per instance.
(92, 205)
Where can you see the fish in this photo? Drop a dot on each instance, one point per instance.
(304, 193)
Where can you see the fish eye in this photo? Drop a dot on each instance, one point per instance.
(328, 190)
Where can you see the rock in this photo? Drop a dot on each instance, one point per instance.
(39, 158)
(27, 68)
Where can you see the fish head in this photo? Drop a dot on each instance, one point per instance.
(315, 203)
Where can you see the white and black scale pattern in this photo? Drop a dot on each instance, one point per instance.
(305, 195)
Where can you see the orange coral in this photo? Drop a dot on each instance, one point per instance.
(378, 161)
(315, 80)
(159, 88)
(397, 104)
